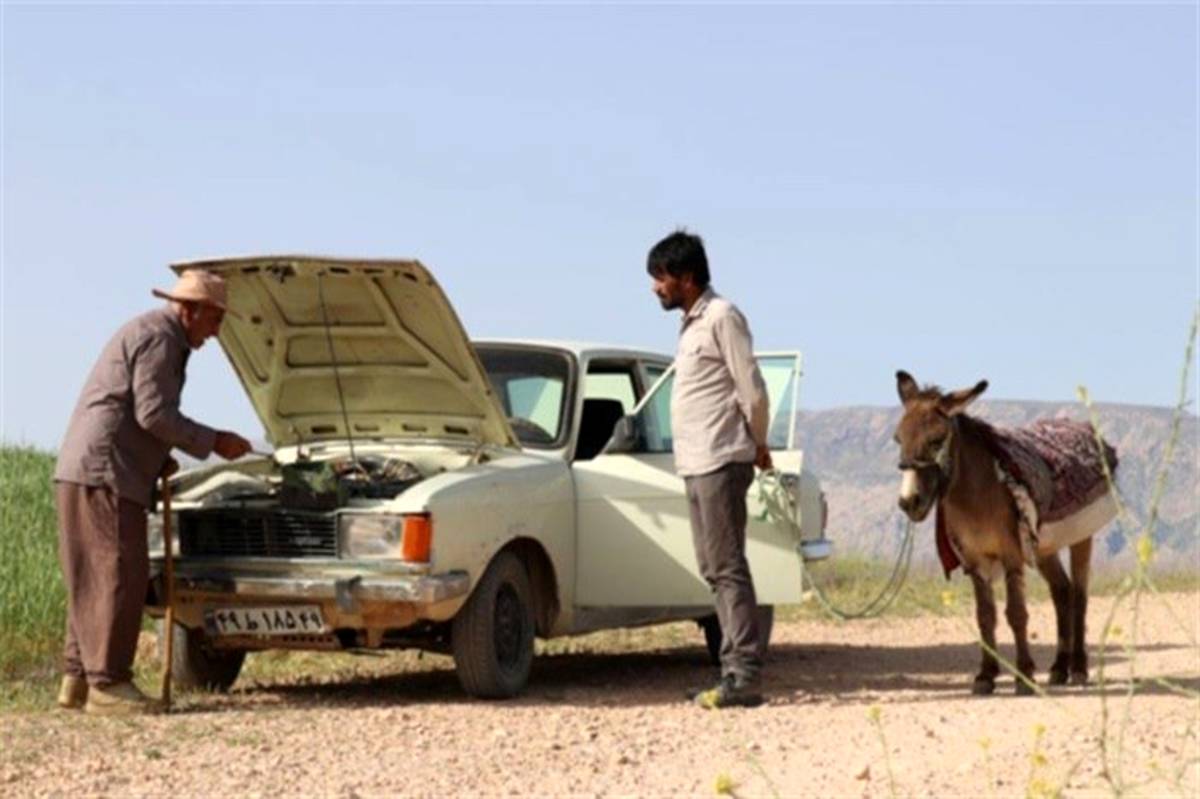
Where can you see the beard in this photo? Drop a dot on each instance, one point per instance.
(669, 303)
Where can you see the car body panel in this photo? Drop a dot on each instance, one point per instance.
(477, 512)
(635, 540)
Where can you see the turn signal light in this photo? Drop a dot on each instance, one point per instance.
(418, 538)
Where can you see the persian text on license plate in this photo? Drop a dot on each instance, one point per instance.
(282, 620)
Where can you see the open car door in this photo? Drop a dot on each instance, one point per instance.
(634, 544)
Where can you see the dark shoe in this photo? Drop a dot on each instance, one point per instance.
(731, 691)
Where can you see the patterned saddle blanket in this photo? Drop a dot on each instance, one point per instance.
(1053, 469)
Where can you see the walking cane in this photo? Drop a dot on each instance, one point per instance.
(168, 593)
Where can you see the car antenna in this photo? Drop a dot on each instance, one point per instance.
(337, 379)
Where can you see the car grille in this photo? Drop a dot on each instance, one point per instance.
(258, 534)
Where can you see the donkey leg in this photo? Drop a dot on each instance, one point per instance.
(1052, 569)
(1081, 558)
(985, 617)
(1018, 619)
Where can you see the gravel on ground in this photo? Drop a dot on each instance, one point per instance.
(867, 708)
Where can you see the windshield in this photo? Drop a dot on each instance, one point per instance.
(532, 388)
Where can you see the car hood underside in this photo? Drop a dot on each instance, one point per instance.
(310, 336)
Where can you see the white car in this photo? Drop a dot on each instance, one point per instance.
(428, 492)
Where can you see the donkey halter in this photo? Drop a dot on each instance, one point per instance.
(941, 459)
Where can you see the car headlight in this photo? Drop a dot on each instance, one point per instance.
(371, 535)
(154, 534)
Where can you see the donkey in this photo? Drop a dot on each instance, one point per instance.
(947, 459)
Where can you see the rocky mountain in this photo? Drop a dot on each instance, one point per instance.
(852, 452)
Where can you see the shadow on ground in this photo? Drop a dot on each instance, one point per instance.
(795, 674)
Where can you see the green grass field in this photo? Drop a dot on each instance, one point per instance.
(851, 582)
(31, 589)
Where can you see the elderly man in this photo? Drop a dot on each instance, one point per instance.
(719, 421)
(117, 444)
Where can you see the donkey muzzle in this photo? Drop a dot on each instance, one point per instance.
(914, 500)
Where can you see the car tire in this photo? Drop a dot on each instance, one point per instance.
(197, 665)
(711, 626)
(492, 634)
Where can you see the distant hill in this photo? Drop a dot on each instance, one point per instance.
(852, 452)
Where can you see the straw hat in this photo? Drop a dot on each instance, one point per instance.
(197, 285)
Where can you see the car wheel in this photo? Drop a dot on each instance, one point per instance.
(195, 663)
(711, 626)
(492, 635)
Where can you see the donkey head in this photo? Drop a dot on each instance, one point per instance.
(926, 436)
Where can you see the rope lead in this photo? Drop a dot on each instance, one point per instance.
(779, 509)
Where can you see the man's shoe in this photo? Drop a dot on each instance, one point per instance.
(731, 691)
(72, 692)
(696, 690)
(119, 699)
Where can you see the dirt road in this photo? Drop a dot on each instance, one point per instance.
(870, 708)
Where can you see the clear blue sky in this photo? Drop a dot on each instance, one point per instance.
(964, 191)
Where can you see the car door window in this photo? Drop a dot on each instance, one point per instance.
(654, 417)
(611, 385)
(653, 372)
(781, 373)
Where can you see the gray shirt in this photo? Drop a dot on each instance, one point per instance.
(719, 406)
(127, 418)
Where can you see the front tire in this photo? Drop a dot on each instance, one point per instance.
(195, 664)
(492, 635)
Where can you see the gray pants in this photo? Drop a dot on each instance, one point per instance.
(717, 504)
(102, 549)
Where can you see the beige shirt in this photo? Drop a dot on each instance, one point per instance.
(719, 406)
(127, 418)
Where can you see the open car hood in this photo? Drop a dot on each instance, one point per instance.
(382, 329)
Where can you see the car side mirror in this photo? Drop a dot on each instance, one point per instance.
(626, 436)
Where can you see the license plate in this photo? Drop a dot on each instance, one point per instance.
(282, 620)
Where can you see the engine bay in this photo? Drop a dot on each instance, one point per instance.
(323, 484)
(331, 484)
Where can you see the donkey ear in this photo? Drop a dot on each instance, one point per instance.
(906, 387)
(957, 401)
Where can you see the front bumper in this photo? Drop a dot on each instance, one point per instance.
(347, 589)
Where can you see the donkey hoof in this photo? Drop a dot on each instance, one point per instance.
(1079, 678)
(1024, 688)
(1058, 677)
(983, 686)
